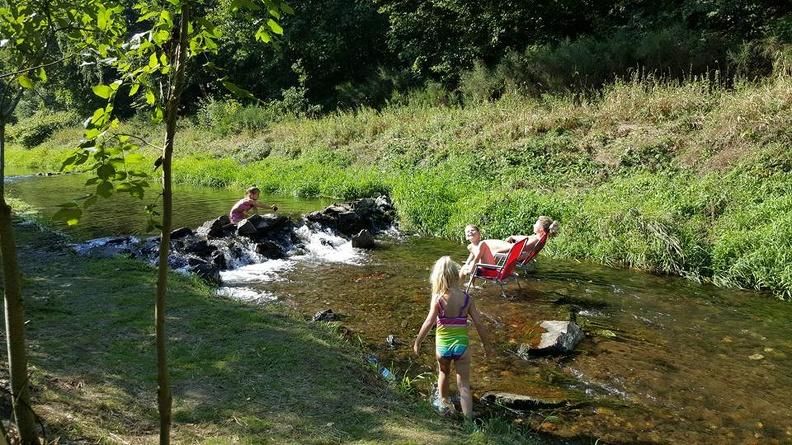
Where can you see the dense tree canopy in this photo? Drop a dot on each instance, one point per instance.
(348, 53)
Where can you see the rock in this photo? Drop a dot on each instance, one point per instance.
(349, 223)
(325, 315)
(561, 336)
(267, 222)
(192, 261)
(218, 260)
(208, 272)
(200, 248)
(363, 240)
(519, 402)
(269, 250)
(246, 228)
(181, 233)
(392, 341)
(215, 228)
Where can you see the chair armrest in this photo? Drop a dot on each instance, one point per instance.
(488, 266)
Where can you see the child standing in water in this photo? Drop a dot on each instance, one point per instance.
(449, 309)
(244, 205)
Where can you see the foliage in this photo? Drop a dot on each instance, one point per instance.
(37, 128)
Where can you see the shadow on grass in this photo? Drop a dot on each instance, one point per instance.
(239, 373)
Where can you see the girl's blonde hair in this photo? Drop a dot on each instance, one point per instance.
(445, 275)
(252, 190)
(549, 226)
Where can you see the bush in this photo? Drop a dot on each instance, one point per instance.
(34, 130)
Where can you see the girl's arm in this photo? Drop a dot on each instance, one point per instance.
(431, 317)
(261, 205)
(469, 262)
(475, 316)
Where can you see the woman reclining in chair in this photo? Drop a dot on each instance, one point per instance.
(484, 251)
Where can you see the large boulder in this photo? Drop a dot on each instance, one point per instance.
(215, 228)
(268, 222)
(363, 240)
(199, 248)
(206, 271)
(519, 402)
(246, 228)
(560, 337)
(270, 250)
(181, 233)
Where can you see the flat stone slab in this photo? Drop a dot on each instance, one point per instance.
(519, 402)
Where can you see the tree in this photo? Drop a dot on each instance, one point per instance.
(150, 63)
(27, 48)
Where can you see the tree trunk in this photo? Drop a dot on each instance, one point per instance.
(14, 315)
(165, 398)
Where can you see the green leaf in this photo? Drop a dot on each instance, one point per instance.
(103, 91)
(25, 82)
(105, 171)
(153, 62)
(286, 8)
(134, 89)
(114, 86)
(262, 35)
(275, 27)
(42, 74)
(238, 91)
(96, 118)
(104, 189)
(150, 97)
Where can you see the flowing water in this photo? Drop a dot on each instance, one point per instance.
(664, 360)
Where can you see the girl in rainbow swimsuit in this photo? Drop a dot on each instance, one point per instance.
(449, 310)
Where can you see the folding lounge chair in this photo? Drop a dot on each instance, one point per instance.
(525, 261)
(499, 273)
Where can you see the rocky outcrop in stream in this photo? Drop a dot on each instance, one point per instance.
(219, 245)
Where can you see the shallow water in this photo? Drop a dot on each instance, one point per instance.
(665, 360)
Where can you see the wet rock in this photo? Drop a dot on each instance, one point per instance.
(519, 402)
(207, 272)
(246, 228)
(363, 240)
(269, 250)
(268, 222)
(218, 260)
(215, 228)
(350, 218)
(181, 233)
(199, 248)
(325, 315)
(192, 261)
(392, 341)
(561, 336)
(349, 223)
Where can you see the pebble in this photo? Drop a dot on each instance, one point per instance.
(756, 357)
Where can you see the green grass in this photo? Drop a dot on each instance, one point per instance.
(685, 178)
(240, 373)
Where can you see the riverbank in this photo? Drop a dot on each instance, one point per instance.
(686, 179)
(240, 373)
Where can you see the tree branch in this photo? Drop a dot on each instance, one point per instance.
(25, 70)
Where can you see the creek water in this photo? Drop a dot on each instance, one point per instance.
(665, 360)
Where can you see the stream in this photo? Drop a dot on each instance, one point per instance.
(665, 360)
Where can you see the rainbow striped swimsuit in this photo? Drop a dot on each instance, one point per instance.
(451, 335)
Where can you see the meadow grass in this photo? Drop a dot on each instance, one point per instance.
(674, 177)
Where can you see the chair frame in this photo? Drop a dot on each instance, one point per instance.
(523, 264)
(503, 272)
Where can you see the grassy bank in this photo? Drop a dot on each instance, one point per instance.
(240, 373)
(687, 179)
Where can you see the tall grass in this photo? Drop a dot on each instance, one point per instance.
(675, 177)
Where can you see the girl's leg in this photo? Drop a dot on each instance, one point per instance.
(443, 369)
(485, 254)
(463, 383)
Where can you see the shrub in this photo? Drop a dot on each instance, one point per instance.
(34, 130)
